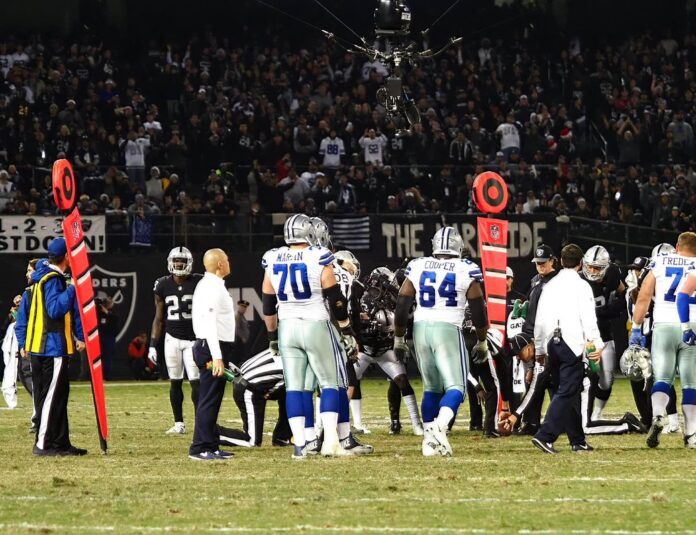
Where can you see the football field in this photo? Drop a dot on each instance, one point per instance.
(148, 485)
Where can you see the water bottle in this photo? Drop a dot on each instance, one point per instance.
(227, 374)
(593, 364)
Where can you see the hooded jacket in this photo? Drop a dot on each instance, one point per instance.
(59, 300)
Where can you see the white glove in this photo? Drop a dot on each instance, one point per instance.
(152, 355)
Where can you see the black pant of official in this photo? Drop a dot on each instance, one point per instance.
(51, 390)
(210, 394)
(252, 408)
(563, 414)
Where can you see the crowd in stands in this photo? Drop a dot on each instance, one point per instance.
(214, 125)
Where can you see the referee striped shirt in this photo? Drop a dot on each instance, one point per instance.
(263, 371)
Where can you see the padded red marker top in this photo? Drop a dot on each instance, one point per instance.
(490, 193)
(64, 187)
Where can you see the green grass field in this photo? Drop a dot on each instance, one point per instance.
(147, 484)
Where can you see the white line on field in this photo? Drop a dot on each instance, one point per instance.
(307, 527)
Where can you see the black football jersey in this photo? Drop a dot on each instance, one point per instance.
(608, 303)
(178, 300)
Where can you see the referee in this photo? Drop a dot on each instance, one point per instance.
(49, 332)
(565, 325)
(213, 324)
(260, 379)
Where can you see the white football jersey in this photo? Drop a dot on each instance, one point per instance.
(441, 286)
(296, 278)
(669, 271)
(344, 280)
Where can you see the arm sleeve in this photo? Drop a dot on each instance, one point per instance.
(58, 302)
(22, 318)
(682, 307)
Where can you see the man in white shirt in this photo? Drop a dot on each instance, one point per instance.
(565, 325)
(134, 148)
(332, 149)
(509, 137)
(213, 313)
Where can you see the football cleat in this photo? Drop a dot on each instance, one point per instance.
(313, 447)
(672, 425)
(440, 436)
(430, 446)
(299, 453)
(352, 445)
(223, 455)
(634, 424)
(578, 448)
(690, 441)
(546, 447)
(332, 448)
(179, 428)
(362, 430)
(653, 439)
(281, 442)
(395, 427)
(418, 430)
(72, 451)
(41, 452)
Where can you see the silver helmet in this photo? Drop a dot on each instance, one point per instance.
(596, 257)
(663, 249)
(298, 229)
(180, 261)
(635, 363)
(322, 236)
(347, 256)
(447, 241)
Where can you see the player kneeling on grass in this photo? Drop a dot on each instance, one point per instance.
(441, 284)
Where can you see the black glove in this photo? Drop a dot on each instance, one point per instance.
(401, 348)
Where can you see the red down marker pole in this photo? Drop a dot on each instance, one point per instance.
(491, 197)
(64, 193)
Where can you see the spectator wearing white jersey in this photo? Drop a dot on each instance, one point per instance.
(134, 149)
(509, 137)
(331, 149)
(373, 143)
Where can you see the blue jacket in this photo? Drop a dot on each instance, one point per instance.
(59, 300)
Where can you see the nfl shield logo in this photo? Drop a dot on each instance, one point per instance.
(495, 232)
(121, 288)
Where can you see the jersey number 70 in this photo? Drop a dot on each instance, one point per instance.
(299, 281)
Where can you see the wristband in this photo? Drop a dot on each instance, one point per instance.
(686, 326)
(635, 325)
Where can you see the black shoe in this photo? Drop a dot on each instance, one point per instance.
(546, 447)
(33, 429)
(653, 440)
(72, 451)
(50, 452)
(491, 434)
(395, 427)
(581, 447)
(634, 424)
(475, 427)
(281, 443)
(352, 445)
(527, 429)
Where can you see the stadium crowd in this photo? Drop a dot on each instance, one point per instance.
(223, 126)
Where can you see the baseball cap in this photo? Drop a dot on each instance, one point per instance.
(543, 253)
(509, 273)
(639, 262)
(519, 342)
(57, 248)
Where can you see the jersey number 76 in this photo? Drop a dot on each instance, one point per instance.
(677, 273)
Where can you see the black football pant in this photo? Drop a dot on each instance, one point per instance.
(51, 391)
(641, 395)
(563, 414)
(252, 408)
(211, 392)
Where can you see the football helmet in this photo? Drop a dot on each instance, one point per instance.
(180, 261)
(381, 286)
(596, 257)
(298, 229)
(343, 256)
(322, 236)
(447, 241)
(663, 249)
(635, 363)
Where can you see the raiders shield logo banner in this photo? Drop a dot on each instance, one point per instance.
(493, 240)
(121, 288)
